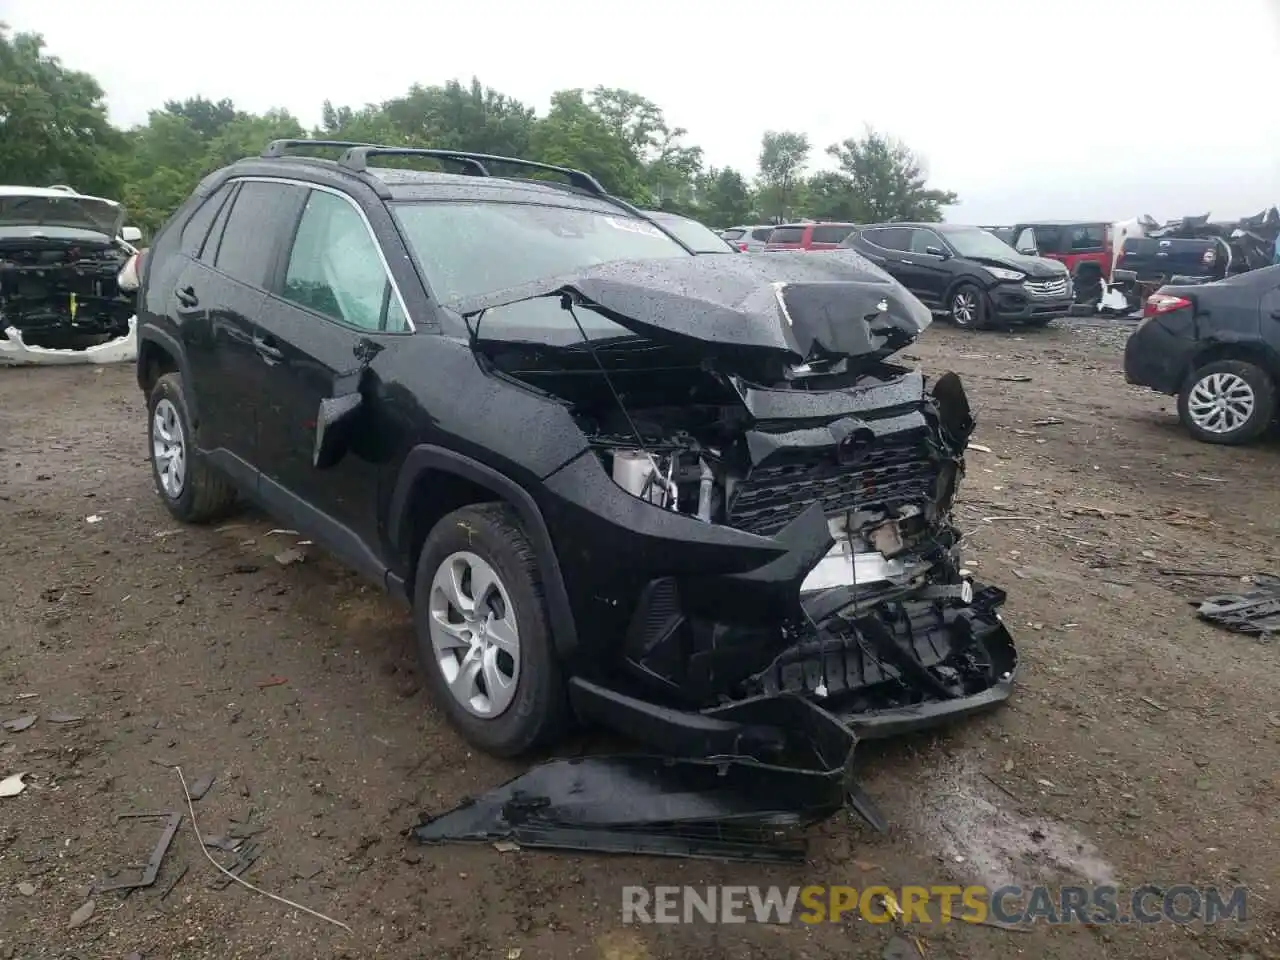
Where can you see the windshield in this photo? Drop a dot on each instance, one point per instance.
(84, 213)
(469, 249)
(692, 234)
(980, 244)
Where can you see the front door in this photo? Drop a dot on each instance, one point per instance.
(928, 274)
(332, 310)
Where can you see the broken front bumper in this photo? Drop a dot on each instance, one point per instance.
(15, 351)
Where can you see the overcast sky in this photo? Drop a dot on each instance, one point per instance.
(1026, 108)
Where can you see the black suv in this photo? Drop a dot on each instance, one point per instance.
(967, 273)
(615, 480)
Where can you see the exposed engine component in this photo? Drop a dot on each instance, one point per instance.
(48, 286)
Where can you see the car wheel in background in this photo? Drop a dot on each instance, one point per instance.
(193, 490)
(968, 307)
(483, 637)
(1227, 402)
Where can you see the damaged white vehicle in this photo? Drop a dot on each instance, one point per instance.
(61, 294)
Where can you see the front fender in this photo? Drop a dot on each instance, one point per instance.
(425, 457)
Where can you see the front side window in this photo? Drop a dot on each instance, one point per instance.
(922, 240)
(334, 268)
(470, 249)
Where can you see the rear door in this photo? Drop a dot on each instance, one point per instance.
(332, 308)
(886, 248)
(786, 238)
(221, 294)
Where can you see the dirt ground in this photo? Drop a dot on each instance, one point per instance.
(1141, 745)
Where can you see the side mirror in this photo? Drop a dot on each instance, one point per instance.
(937, 252)
(1028, 252)
(333, 429)
(130, 234)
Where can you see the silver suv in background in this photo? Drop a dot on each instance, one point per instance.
(748, 239)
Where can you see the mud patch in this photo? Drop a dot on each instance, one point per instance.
(972, 824)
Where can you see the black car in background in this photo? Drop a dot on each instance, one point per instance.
(1216, 347)
(967, 273)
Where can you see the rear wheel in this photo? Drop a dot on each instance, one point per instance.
(1227, 402)
(968, 307)
(194, 491)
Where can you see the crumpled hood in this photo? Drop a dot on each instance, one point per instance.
(47, 208)
(1038, 268)
(804, 306)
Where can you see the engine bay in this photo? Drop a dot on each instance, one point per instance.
(52, 289)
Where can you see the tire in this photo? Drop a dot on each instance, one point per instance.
(527, 706)
(967, 307)
(199, 494)
(1211, 385)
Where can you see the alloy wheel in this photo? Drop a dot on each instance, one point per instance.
(169, 449)
(1221, 403)
(474, 635)
(964, 308)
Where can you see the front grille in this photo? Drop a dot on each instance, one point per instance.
(1047, 288)
(892, 473)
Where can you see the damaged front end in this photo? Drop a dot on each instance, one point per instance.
(763, 509)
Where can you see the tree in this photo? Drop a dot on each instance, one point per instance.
(474, 118)
(53, 121)
(783, 156)
(725, 198)
(887, 180)
(670, 168)
(207, 119)
(574, 135)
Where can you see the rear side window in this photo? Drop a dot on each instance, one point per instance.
(1048, 239)
(830, 233)
(197, 227)
(890, 238)
(787, 235)
(249, 242)
(335, 269)
(733, 234)
(762, 234)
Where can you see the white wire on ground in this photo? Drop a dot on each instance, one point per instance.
(245, 883)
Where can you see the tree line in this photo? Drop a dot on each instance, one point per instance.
(54, 128)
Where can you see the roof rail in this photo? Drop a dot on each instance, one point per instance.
(278, 148)
(357, 160)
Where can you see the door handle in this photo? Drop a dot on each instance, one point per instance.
(905, 260)
(187, 296)
(267, 351)
(1275, 314)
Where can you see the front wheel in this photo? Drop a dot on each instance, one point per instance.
(1227, 402)
(968, 307)
(484, 640)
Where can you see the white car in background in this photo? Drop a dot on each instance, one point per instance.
(61, 256)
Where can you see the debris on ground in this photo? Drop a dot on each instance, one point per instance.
(62, 716)
(270, 682)
(27, 889)
(200, 786)
(723, 808)
(18, 724)
(12, 786)
(81, 915)
(147, 875)
(1255, 611)
(289, 557)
